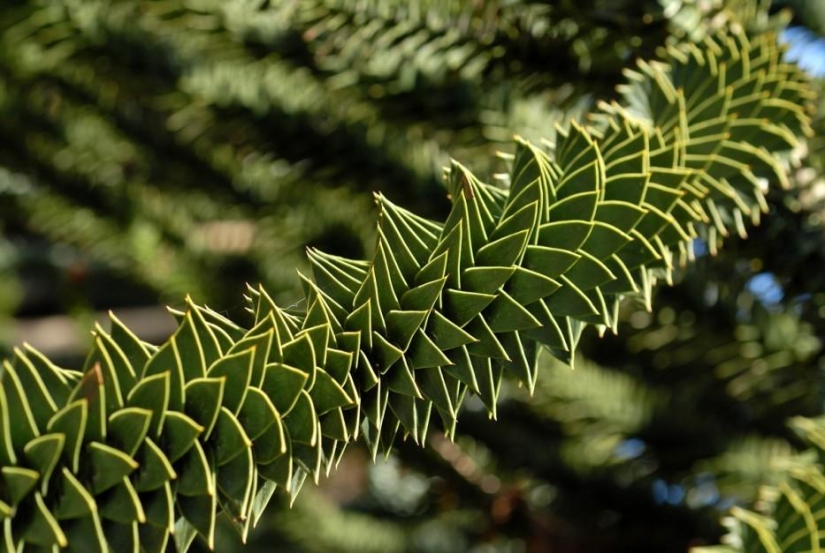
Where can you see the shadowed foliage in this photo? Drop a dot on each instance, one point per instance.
(159, 148)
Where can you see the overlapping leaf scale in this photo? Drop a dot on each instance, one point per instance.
(720, 112)
(147, 443)
(693, 145)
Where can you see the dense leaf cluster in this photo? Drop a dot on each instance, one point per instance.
(149, 442)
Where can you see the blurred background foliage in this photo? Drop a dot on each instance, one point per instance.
(155, 148)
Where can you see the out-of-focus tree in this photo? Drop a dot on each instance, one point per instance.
(152, 149)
